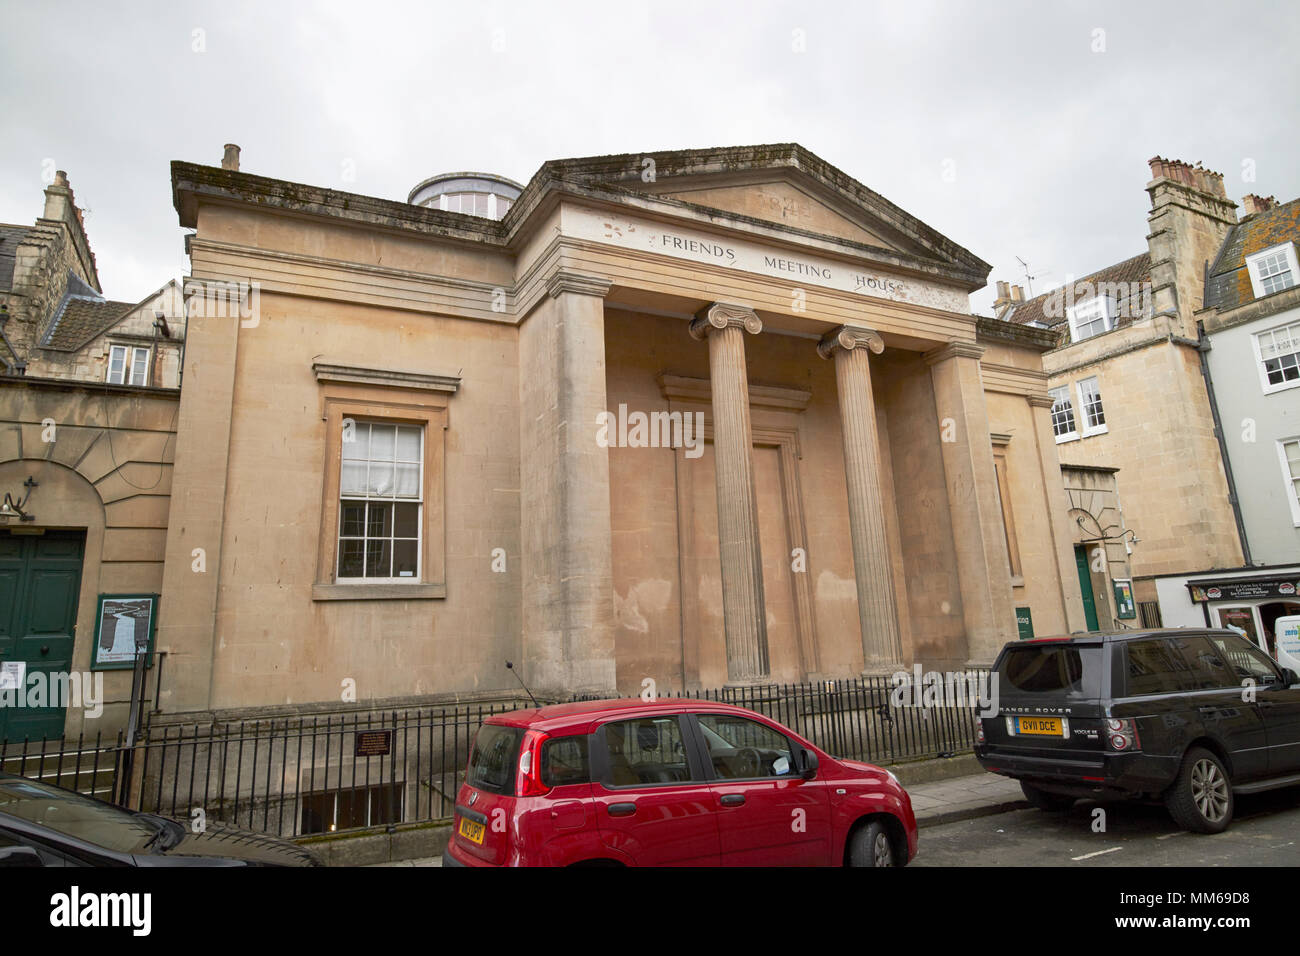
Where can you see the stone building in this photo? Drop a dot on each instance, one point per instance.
(1130, 396)
(88, 405)
(702, 417)
(1251, 346)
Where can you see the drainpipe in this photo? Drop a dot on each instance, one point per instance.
(1203, 350)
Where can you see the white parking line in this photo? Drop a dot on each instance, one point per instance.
(1166, 836)
(1087, 856)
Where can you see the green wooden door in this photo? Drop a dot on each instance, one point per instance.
(40, 578)
(1085, 585)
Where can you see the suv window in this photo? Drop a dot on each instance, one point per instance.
(1073, 670)
(647, 750)
(564, 761)
(1161, 666)
(1246, 660)
(493, 761)
(740, 748)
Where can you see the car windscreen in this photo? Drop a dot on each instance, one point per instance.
(494, 760)
(1062, 670)
(75, 816)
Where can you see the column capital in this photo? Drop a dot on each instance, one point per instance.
(1041, 400)
(567, 280)
(848, 338)
(720, 315)
(951, 351)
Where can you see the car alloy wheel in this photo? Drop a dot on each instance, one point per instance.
(882, 854)
(1209, 790)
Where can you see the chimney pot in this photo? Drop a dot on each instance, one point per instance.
(60, 178)
(1017, 294)
(231, 158)
(1002, 291)
(1253, 204)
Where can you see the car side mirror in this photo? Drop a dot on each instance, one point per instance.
(1289, 677)
(807, 764)
(19, 856)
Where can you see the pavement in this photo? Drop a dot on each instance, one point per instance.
(936, 803)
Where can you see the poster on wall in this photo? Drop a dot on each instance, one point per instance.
(1125, 608)
(123, 622)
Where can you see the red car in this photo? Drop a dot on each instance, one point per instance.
(673, 782)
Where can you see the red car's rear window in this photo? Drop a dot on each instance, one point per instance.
(494, 759)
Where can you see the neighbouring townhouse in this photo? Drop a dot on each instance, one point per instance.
(89, 394)
(1132, 418)
(1251, 353)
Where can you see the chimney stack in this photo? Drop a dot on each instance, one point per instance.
(1253, 204)
(231, 158)
(1196, 177)
(1008, 296)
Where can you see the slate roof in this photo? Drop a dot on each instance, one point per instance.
(82, 315)
(1048, 309)
(1228, 284)
(10, 236)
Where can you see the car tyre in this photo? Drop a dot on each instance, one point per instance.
(1055, 802)
(1200, 798)
(872, 845)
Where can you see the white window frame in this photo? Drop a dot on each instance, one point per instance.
(394, 500)
(1254, 260)
(130, 354)
(1264, 383)
(1083, 407)
(1074, 313)
(1292, 490)
(1073, 434)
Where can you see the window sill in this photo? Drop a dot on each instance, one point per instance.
(1270, 389)
(378, 592)
(1062, 439)
(1099, 430)
(1017, 581)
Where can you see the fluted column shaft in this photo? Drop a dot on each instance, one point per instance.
(744, 614)
(873, 568)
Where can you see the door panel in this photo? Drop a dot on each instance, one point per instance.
(767, 814)
(1085, 586)
(40, 580)
(651, 801)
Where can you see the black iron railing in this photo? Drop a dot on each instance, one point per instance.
(303, 775)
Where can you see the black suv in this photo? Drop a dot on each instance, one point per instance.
(1189, 717)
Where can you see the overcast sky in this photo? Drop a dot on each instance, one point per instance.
(1015, 129)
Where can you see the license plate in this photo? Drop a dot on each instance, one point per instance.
(1039, 726)
(471, 831)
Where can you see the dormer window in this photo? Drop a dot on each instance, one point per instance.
(1272, 270)
(1091, 317)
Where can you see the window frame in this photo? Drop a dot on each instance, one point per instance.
(1107, 317)
(1087, 429)
(1292, 490)
(1254, 260)
(379, 404)
(1267, 386)
(367, 499)
(1073, 433)
(130, 354)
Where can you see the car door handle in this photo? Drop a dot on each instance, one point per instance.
(45, 650)
(732, 799)
(622, 809)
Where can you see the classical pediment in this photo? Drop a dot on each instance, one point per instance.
(783, 186)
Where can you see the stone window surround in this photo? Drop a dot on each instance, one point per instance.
(1107, 316)
(1000, 465)
(390, 396)
(1073, 433)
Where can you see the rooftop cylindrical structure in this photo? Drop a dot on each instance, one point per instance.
(473, 194)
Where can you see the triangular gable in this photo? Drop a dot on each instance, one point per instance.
(782, 184)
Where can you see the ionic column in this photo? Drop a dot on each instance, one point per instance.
(873, 569)
(744, 615)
